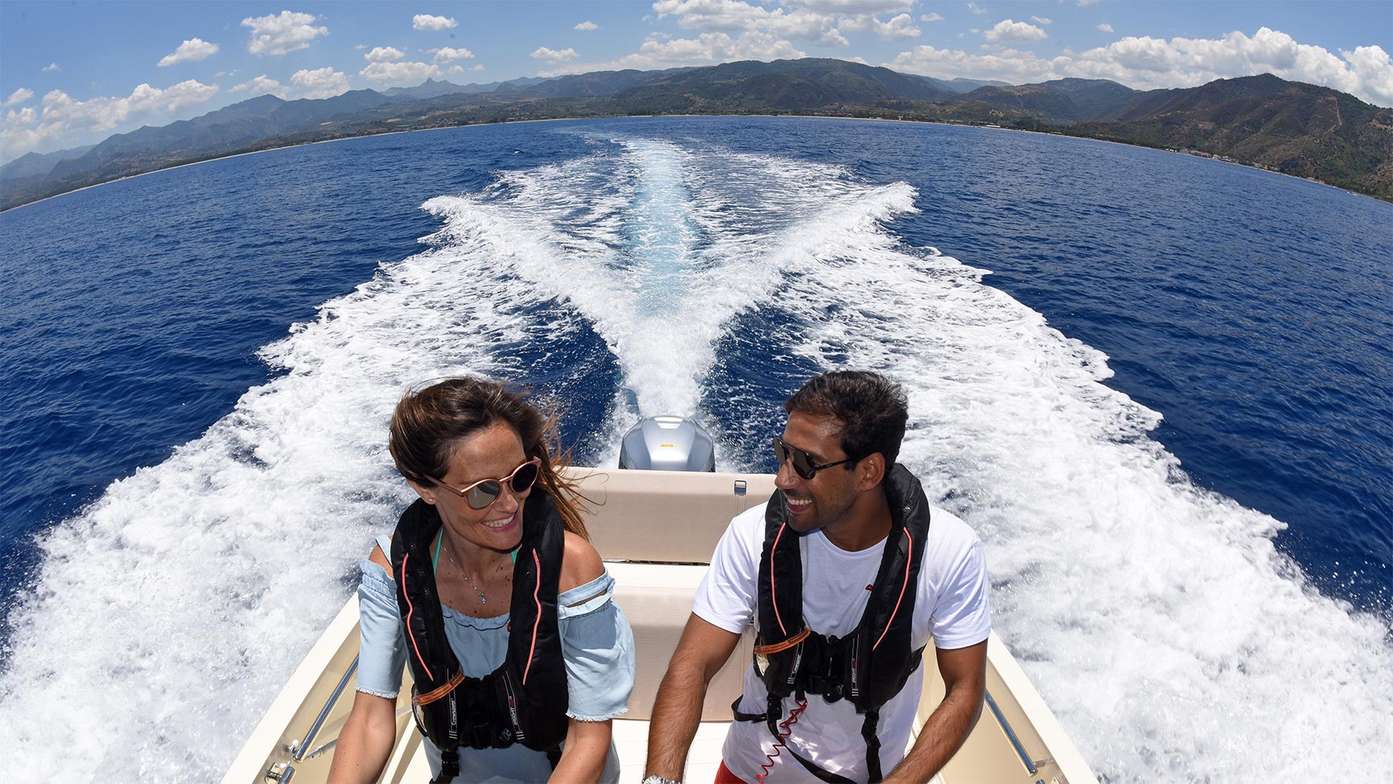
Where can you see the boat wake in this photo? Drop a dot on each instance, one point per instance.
(654, 277)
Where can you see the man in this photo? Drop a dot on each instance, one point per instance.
(846, 573)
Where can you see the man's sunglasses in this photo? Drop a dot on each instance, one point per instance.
(485, 491)
(803, 462)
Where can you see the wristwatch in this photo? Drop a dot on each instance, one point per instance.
(656, 779)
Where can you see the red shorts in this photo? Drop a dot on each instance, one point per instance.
(724, 776)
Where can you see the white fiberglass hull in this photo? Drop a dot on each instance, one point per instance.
(658, 528)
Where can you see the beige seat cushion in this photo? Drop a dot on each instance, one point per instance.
(657, 600)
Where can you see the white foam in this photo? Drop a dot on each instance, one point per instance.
(167, 615)
(1157, 619)
(1171, 639)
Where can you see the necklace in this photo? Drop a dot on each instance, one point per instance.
(483, 597)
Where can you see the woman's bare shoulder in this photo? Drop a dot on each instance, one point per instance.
(580, 562)
(380, 558)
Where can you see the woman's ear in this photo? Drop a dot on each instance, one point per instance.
(425, 493)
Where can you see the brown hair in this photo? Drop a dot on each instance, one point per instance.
(428, 422)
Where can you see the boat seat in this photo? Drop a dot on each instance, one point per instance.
(657, 600)
(676, 520)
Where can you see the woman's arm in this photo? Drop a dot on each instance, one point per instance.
(587, 748)
(366, 740)
(371, 729)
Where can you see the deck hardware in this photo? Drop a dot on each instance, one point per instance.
(740, 487)
(1011, 736)
(328, 706)
(280, 771)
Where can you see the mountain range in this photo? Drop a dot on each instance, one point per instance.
(1290, 127)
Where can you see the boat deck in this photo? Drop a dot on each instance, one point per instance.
(656, 530)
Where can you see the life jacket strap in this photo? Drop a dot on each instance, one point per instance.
(780, 647)
(449, 766)
(740, 715)
(439, 692)
(868, 733)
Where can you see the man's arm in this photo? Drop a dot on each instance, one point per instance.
(700, 653)
(964, 672)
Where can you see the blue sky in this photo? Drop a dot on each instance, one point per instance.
(73, 73)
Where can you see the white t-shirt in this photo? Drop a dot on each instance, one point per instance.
(951, 607)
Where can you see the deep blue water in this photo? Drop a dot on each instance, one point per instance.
(1253, 312)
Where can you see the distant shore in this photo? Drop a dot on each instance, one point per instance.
(1056, 133)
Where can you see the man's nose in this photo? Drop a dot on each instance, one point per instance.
(785, 479)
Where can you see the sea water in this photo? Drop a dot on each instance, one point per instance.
(1157, 387)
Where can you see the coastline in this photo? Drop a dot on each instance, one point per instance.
(639, 116)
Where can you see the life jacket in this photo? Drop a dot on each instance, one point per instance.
(867, 667)
(524, 700)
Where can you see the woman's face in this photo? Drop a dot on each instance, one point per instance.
(491, 453)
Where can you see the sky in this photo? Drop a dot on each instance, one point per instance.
(74, 73)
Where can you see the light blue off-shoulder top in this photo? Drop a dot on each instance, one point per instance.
(596, 642)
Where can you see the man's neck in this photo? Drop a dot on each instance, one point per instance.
(866, 523)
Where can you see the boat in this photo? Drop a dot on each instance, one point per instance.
(656, 530)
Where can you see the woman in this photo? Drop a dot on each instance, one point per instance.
(491, 594)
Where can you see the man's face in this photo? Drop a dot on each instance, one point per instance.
(826, 499)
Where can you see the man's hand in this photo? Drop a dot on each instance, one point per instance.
(964, 672)
(700, 654)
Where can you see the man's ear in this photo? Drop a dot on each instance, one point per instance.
(870, 471)
(426, 494)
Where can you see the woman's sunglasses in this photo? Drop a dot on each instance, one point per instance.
(803, 462)
(485, 491)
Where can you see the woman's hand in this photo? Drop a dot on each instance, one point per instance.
(583, 760)
(366, 740)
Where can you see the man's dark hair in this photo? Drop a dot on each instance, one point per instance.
(872, 409)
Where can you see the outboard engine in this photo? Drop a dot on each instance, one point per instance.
(667, 443)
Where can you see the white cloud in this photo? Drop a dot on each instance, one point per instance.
(64, 121)
(1011, 30)
(477, 67)
(1086, 3)
(19, 96)
(25, 116)
(190, 51)
(976, 9)
(51, 68)
(447, 55)
(737, 16)
(931, 17)
(901, 26)
(384, 54)
(824, 21)
(282, 33)
(428, 22)
(553, 55)
(401, 74)
(319, 82)
(1147, 63)
(1104, 28)
(1008, 65)
(587, 26)
(261, 85)
(857, 7)
(705, 49)
(1044, 20)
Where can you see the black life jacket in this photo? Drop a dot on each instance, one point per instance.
(867, 667)
(524, 700)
